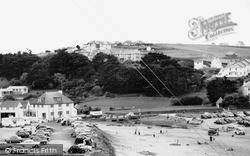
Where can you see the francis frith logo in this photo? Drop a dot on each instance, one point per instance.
(211, 28)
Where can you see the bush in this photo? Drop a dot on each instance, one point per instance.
(236, 100)
(188, 101)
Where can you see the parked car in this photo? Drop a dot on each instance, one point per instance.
(213, 131)
(27, 130)
(220, 121)
(86, 148)
(14, 139)
(30, 143)
(45, 126)
(44, 137)
(42, 132)
(4, 145)
(43, 141)
(22, 134)
(75, 149)
(239, 132)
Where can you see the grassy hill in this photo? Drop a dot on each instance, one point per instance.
(196, 51)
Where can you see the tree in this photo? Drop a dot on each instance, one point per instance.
(158, 59)
(215, 90)
(236, 100)
(219, 88)
(73, 65)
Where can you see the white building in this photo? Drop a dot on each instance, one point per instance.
(52, 105)
(246, 88)
(127, 54)
(216, 63)
(238, 69)
(11, 108)
(19, 89)
(5, 92)
(97, 45)
(198, 64)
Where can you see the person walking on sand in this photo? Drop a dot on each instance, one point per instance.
(139, 133)
(211, 138)
(154, 134)
(135, 131)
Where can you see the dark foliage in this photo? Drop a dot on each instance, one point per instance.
(189, 101)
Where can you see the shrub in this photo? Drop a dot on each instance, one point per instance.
(188, 101)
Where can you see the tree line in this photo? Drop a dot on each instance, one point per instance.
(77, 75)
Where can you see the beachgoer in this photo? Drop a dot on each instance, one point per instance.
(211, 138)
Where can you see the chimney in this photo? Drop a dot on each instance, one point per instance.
(60, 91)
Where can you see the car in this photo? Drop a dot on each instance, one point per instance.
(14, 139)
(42, 132)
(30, 143)
(4, 145)
(43, 137)
(220, 122)
(75, 149)
(195, 121)
(44, 126)
(213, 131)
(42, 141)
(87, 148)
(22, 134)
(28, 130)
(239, 132)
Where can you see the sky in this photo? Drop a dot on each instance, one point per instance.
(51, 24)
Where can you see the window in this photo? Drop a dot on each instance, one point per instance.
(51, 106)
(42, 106)
(52, 113)
(60, 105)
(67, 112)
(67, 105)
(7, 108)
(58, 99)
(24, 89)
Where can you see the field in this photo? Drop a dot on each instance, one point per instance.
(139, 104)
(202, 51)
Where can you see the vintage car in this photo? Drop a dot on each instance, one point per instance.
(14, 139)
(22, 133)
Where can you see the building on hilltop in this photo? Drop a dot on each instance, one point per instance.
(237, 69)
(128, 54)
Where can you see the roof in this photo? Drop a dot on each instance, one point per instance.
(17, 87)
(125, 51)
(9, 104)
(219, 100)
(239, 64)
(49, 98)
(24, 103)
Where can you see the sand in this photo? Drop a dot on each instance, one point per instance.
(126, 143)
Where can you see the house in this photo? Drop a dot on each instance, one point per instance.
(218, 102)
(5, 92)
(127, 54)
(97, 45)
(27, 109)
(19, 90)
(216, 63)
(52, 105)
(198, 64)
(237, 69)
(245, 88)
(11, 108)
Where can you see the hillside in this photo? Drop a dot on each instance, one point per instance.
(201, 51)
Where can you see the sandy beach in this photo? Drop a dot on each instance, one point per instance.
(127, 143)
